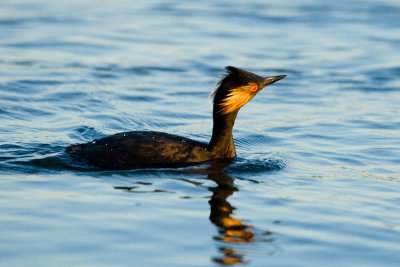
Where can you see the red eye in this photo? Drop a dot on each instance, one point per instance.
(254, 88)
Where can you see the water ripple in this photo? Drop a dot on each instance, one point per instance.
(259, 165)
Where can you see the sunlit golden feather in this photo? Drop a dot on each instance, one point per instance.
(237, 98)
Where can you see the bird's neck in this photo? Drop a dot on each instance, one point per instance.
(221, 144)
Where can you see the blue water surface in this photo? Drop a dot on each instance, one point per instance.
(316, 181)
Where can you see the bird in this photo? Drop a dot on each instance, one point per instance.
(152, 149)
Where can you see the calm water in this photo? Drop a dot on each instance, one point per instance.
(316, 181)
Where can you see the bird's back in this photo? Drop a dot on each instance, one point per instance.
(141, 149)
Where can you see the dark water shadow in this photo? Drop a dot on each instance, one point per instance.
(48, 159)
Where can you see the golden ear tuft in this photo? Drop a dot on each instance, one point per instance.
(237, 98)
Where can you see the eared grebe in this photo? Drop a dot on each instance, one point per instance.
(148, 149)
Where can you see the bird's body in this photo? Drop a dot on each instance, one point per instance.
(142, 149)
(148, 149)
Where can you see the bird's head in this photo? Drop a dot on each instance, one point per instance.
(237, 88)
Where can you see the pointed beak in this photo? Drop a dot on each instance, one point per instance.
(272, 79)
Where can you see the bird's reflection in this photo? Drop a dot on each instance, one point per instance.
(232, 231)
